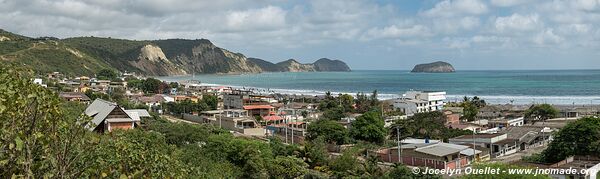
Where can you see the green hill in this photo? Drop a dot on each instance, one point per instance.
(88, 55)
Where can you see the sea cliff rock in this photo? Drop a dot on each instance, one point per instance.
(435, 67)
(292, 65)
(325, 64)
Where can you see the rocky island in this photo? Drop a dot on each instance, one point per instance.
(435, 67)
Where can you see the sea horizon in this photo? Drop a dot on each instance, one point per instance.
(520, 87)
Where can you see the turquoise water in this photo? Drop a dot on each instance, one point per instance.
(523, 87)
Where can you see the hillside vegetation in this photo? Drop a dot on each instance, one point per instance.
(88, 55)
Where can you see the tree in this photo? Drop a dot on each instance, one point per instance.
(541, 112)
(369, 127)
(331, 131)
(426, 125)
(346, 102)
(26, 112)
(106, 74)
(470, 108)
(133, 153)
(581, 137)
(335, 114)
(346, 165)
(286, 167)
(403, 172)
(316, 153)
(151, 85)
(211, 100)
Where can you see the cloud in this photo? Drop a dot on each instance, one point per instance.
(450, 8)
(267, 18)
(508, 3)
(518, 22)
(547, 37)
(394, 31)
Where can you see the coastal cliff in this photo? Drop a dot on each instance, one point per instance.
(292, 65)
(88, 55)
(435, 67)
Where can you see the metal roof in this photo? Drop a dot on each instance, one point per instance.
(441, 149)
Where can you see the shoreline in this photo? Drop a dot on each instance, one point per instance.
(490, 99)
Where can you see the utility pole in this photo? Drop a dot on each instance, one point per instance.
(399, 145)
(293, 129)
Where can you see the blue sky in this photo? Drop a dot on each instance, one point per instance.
(385, 34)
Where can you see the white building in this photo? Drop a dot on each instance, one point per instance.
(420, 101)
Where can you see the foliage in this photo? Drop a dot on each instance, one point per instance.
(346, 165)
(186, 106)
(502, 175)
(331, 131)
(181, 134)
(366, 103)
(26, 112)
(316, 153)
(106, 74)
(333, 114)
(133, 153)
(211, 101)
(541, 112)
(403, 172)
(471, 107)
(581, 137)
(151, 85)
(95, 95)
(287, 167)
(369, 127)
(427, 125)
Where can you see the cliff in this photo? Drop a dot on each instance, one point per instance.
(292, 65)
(435, 67)
(88, 55)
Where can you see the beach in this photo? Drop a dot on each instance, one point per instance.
(561, 87)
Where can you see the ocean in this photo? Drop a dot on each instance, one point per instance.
(566, 87)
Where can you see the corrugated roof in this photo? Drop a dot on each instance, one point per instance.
(441, 149)
(99, 110)
(251, 107)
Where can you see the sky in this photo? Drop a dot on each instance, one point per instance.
(368, 35)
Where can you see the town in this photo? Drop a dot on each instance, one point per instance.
(419, 129)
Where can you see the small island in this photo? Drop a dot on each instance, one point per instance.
(435, 67)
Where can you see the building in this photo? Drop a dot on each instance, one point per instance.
(107, 116)
(504, 122)
(498, 144)
(236, 120)
(420, 101)
(591, 164)
(259, 109)
(74, 96)
(528, 136)
(433, 155)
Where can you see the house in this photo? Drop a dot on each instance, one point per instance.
(591, 164)
(504, 122)
(498, 144)
(433, 155)
(451, 118)
(180, 98)
(465, 126)
(107, 116)
(259, 110)
(151, 101)
(138, 114)
(74, 96)
(232, 119)
(420, 101)
(528, 136)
